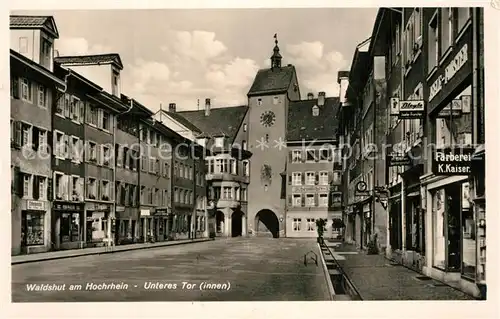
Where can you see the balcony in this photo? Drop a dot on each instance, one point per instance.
(227, 177)
(230, 203)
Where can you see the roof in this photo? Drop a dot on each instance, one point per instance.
(113, 58)
(268, 81)
(303, 125)
(34, 22)
(221, 121)
(16, 56)
(359, 68)
(179, 118)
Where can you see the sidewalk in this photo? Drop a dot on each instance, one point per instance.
(21, 259)
(377, 278)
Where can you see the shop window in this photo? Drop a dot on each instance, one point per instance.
(32, 232)
(468, 224)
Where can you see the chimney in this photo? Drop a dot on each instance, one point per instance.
(171, 107)
(310, 96)
(207, 107)
(343, 81)
(321, 98)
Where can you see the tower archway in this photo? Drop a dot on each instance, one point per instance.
(267, 222)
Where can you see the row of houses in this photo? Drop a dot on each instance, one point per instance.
(412, 115)
(90, 165)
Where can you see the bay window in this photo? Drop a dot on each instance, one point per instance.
(32, 228)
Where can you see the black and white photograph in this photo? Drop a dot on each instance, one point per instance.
(248, 154)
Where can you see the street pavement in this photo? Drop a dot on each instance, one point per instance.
(377, 278)
(239, 269)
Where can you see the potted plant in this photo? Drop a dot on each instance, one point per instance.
(320, 228)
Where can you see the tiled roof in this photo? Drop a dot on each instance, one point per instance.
(269, 81)
(35, 22)
(183, 121)
(91, 59)
(225, 120)
(303, 125)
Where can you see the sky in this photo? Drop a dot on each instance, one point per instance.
(180, 56)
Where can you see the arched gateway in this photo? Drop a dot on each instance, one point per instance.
(266, 222)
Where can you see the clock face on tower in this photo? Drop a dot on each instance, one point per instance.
(267, 118)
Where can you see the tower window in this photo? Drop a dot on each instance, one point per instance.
(259, 102)
(276, 100)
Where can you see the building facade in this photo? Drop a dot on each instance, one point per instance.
(33, 94)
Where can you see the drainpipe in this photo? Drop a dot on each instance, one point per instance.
(403, 124)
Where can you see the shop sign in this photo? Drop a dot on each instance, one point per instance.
(145, 212)
(35, 205)
(456, 108)
(68, 207)
(161, 211)
(449, 72)
(452, 161)
(100, 207)
(303, 189)
(395, 159)
(120, 208)
(411, 109)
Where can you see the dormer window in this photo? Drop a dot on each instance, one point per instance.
(219, 141)
(315, 110)
(116, 83)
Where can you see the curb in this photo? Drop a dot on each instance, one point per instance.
(108, 252)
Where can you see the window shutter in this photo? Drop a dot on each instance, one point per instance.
(290, 200)
(303, 199)
(81, 110)
(50, 191)
(303, 156)
(36, 138)
(99, 153)
(99, 189)
(330, 178)
(70, 187)
(316, 199)
(15, 87)
(36, 187)
(316, 155)
(119, 159)
(81, 188)
(290, 156)
(317, 177)
(290, 179)
(303, 178)
(18, 133)
(100, 118)
(17, 181)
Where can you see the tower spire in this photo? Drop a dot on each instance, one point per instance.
(276, 57)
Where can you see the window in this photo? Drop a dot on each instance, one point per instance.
(310, 200)
(310, 178)
(336, 177)
(297, 178)
(105, 190)
(463, 16)
(75, 149)
(92, 188)
(76, 188)
(246, 168)
(311, 157)
(70, 227)
(32, 228)
(296, 224)
(323, 200)
(92, 152)
(297, 200)
(105, 125)
(59, 181)
(176, 195)
(244, 194)
(398, 39)
(244, 145)
(311, 224)
(296, 156)
(446, 30)
(323, 178)
(276, 100)
(26, 131)
(23, 45)
(259, 101)
(116, 83)
(92, 115)
(315, 110)
(42, 96)
(438, 212)
(226, 193)
(106, 155)
(59, 144)
(219, 142)
(45, 53)
(166, 169)
(27, 186)
(232, 166)
(244, 127)
(42, 188)
(325, 155)
(26, 90)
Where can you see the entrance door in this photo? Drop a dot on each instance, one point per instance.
(237, 224)
(453, 207)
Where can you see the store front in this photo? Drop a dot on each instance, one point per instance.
(98, 224)
(126, 225)
(68, 225)
(161, 222)
(33, 227)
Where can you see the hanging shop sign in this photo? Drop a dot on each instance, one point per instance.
(398, 159)
(412, 109)
(145, 212)
(452, 161)
(450, 71)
